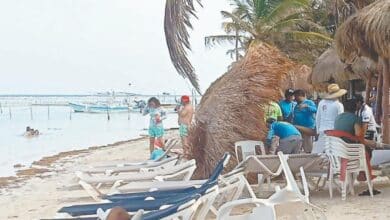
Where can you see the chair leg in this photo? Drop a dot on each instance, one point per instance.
(331, 184)
(344, 185)
(369, 182)
(351, 184)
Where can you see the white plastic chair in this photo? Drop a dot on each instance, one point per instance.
(336, 149)
(248, 148)
(265, 208)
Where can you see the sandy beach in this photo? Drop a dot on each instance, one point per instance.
(50, 184)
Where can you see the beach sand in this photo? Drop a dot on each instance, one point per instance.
(39, 192)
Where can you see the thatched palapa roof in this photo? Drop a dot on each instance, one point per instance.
(229, 110)
(328, 68)
(366, 33)
(297, 79)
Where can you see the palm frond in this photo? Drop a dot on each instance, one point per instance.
(286, 7)
(176, 25)
(213, 40)
(244, 25)
(309, 36)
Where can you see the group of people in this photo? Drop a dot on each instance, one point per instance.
(156, 128)
(297, 121)
(30, 132)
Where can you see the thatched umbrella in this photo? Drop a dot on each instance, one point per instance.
(231, 109)
(368, 34)
(297, 79)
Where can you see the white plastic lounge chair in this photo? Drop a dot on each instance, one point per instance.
(354, 157)
(248, 148)
(121, 168)
(92, 184)
(266, 208)
(171, 143)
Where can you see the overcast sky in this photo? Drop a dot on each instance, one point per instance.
(84, 46)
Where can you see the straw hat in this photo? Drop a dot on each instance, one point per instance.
(334, 92)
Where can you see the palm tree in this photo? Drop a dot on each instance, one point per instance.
(270, 21)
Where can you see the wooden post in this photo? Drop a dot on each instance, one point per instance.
(48, 112)
(70, 113)
(368, 88)
(385, 101)
(108, 114)
(379, 91)
(31, 112)
(10, 113)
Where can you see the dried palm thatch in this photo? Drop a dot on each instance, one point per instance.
(297, 79)
(368, 34)
(231, 109)
(176, 24)
(328, 68)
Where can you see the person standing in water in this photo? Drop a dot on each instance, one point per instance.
(186, 111)
(157, 115)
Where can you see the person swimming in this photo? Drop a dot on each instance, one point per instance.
(31, 132)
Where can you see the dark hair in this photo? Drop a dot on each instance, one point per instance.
(155, 100)
(350, 105)
(299, 92)
(359, 98)
(288, 92)
(270, 120)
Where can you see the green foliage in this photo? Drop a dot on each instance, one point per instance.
(274, 22)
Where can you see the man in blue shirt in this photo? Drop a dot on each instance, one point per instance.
(287, 105)
(290, 139)
(304, 119)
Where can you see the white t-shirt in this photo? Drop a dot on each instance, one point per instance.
(327, 112)
(367, 116)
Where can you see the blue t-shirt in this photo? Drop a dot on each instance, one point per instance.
(287, 109)
(156, 153)
(305, 117)
(282, 130)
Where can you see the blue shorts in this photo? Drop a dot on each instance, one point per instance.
(156, 131)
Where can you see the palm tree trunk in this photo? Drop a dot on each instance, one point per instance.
(385, 101)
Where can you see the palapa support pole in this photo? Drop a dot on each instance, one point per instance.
(385, 101)
(379, 95)
(368, 88)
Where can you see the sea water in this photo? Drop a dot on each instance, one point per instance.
(62, 130)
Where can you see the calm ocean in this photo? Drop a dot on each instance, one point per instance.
(60, 129)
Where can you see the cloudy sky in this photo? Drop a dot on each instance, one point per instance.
(84, 46)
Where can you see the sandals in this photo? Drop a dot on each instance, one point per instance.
(367, 192)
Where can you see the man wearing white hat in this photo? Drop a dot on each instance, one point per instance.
(329, 108)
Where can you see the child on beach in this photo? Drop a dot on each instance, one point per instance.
(158, 151)
(186, 112)
(157, 115)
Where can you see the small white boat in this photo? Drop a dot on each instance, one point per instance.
(98, 108)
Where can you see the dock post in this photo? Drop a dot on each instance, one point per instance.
(31, 112)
